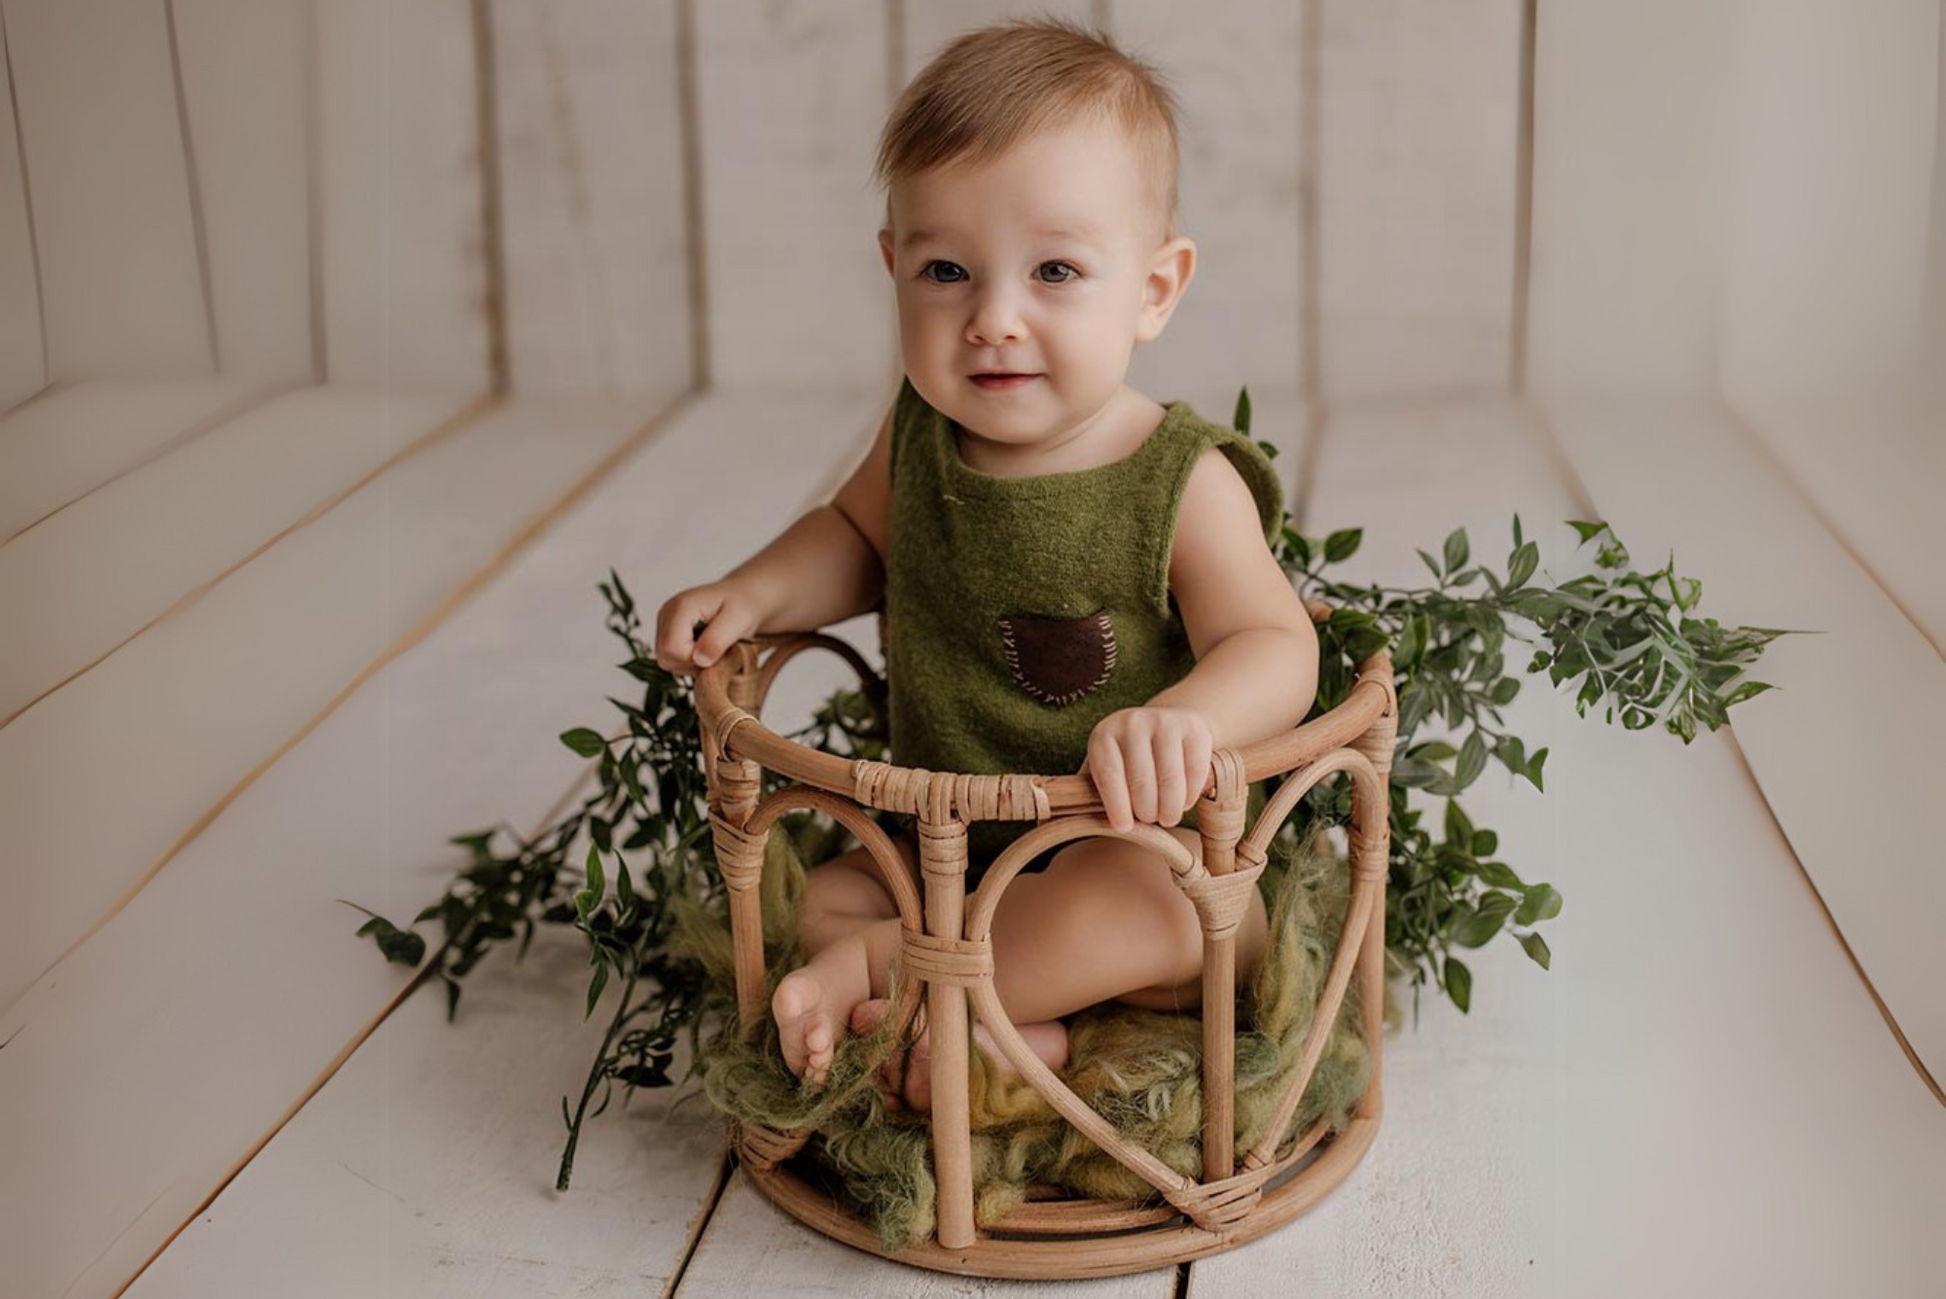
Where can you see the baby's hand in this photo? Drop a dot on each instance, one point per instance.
(727, 608)
(1149, 764)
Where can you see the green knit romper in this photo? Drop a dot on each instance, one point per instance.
(1019, 612)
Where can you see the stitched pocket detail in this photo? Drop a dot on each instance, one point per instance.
(1059, 660)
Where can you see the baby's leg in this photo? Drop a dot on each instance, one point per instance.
(1105, 922)
(812, 1003)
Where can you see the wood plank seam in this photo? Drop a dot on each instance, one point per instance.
(1558, 454)
(46, 390)
(1523, 202)
(896, 44)
(198, 226)
(699, 1224)
(465, 591)
(26, 192)
(398, 998)
(471, 414)
(486, 104)
(695, 237)
(313, 186)
(1310, 257)
(1762, 449)
(1885, 1011)
(209, 423)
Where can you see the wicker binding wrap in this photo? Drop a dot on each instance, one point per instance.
(947, 944)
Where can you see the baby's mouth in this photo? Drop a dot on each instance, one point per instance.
(995, 379)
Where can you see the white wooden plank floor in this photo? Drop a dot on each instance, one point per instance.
(152, 539)
(80, 436)
(1658, 1113)
(1845, 748)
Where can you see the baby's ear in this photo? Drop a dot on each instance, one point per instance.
(885, 249)
(1169, 276)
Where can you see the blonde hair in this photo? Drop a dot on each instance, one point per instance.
(993, 87)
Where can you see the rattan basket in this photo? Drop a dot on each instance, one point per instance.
(946, 943)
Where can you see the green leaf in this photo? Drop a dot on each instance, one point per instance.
(1541, 903)
(1431, 563)
(1472, 760)
(583, 741)
(1537, 948)
(1516, 531)
(1433, 751)
(1747, 690)
(1480, 927)
(1534, 767)
(590, 897)
(1500, 875)
(1586, 530)
(452, 998)
(624, 887)
(1241, 420)
(1342, 544)
(594, 989)
(1484, 843)
(1459, 983)
(1459, 827)
(1526, 558)
(1456, 550)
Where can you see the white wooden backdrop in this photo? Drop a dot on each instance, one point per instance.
(343, 346)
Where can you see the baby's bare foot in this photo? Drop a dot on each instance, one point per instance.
(812, 1002)
(1047, 1039)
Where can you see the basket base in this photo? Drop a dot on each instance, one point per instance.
(1000, 1255)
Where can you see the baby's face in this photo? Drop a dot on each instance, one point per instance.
(1039, 263)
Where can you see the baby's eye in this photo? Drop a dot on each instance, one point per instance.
(1071, 272)
(929, 265)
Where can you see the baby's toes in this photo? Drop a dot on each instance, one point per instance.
(795, 1008)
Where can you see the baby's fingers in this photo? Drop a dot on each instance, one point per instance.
(1140, 759)
(1105, 765)
(1169, 780)
(1197, 756)
(731, 623)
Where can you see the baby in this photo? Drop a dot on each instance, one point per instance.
(1075, 577)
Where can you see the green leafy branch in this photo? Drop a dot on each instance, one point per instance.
(1626, 637)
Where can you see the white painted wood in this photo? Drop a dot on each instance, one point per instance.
(123, 555)
(23, 371)
(401, 205)
(243, 80)
(1933, 334)
(1241, 320)
(96, 92)
(457, 733)
(752, 1247)
(792, 99)
(1845, 743)
(592, 197)
(1829, 148)
(1419, 117)
(426, 1166)
(1628, 105)
(198, 701)
(72, 440)
(1611, 1126)
(1873, 470)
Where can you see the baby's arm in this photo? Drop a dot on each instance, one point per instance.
(1256, 653)
(824, 568)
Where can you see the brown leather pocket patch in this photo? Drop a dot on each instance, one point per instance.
(1058, 660)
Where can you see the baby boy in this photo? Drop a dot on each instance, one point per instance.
(1075, 577)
